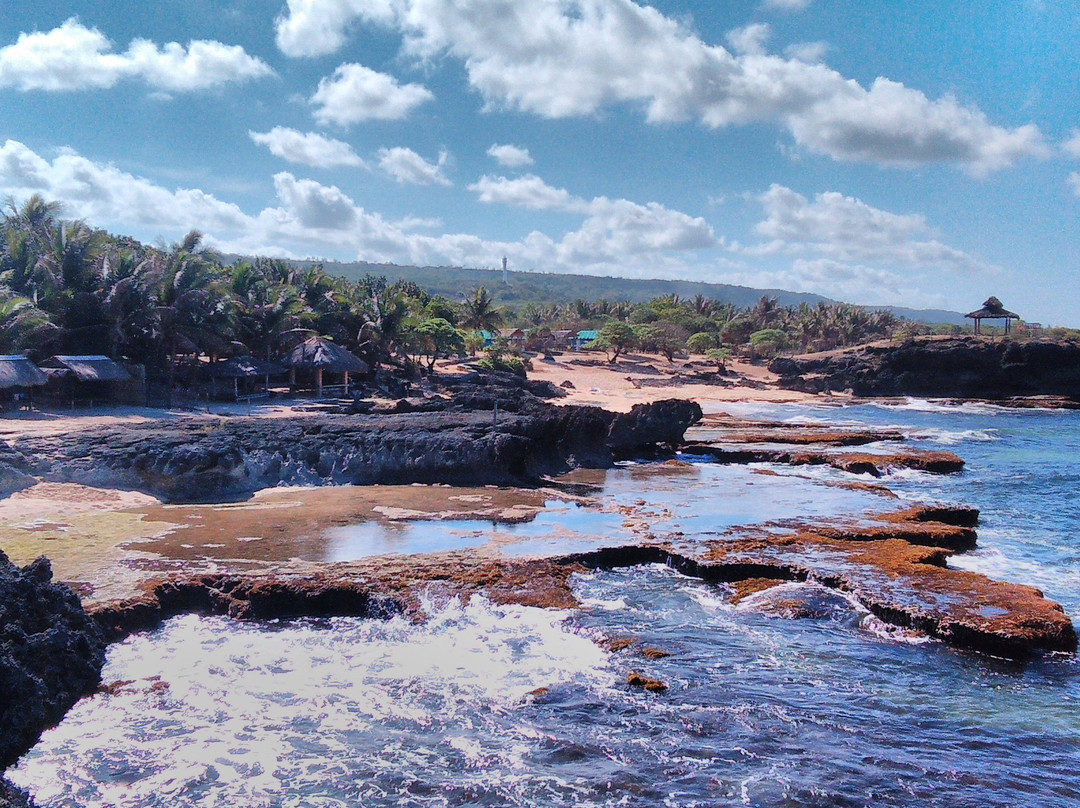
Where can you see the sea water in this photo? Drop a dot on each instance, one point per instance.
(504, 705)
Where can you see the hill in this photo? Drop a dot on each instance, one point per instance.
(539, 287)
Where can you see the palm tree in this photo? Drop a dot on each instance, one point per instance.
(480, 311)
(22, 324)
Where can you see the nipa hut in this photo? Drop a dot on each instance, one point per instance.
(318, 356)
(18, 377)
(84, 378)
(992, 310)
(250, 377)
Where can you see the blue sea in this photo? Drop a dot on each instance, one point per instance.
(512, 706)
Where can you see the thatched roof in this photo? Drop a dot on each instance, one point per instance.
(18, 371)
(993, 310)
(322, 353)
(244, 367)
(94, 368)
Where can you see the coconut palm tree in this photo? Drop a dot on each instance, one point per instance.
(481, 314)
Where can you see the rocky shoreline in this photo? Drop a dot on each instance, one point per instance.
(894, 564)
(955, 367)
(207, 460)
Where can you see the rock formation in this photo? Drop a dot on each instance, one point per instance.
(200, 459)
(961, 367)
(51, 654)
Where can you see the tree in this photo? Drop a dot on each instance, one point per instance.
(616, 337)
(768, 342)
(22, 324)
(719, 356)
(432, 338)
(480, 312)
(702, 342)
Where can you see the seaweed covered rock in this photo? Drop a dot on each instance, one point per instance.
(51, 654)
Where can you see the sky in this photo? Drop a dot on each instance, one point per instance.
(921, 154)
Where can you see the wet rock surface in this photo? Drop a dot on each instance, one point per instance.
(967, 367)
(51, 654)
(202, 459)
(895, 565)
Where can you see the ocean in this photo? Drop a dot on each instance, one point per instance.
(506, 705)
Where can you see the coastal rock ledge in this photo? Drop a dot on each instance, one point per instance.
(961, 367)
(203, 459)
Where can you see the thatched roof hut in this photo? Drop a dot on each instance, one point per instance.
(323, 356)
(18, 371)
(244, 367)
(94, 368)
(992, 309)
(253, 373)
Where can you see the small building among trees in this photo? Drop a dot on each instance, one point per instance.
(309, 361)
(18, 377)
(86, 379)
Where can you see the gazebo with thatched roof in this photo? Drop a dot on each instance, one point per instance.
(18, 375)
(319, 355)
(250, 377)
(87, 378)
(992, 310)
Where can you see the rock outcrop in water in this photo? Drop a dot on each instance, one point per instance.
(202, 459)
(895, 565)
(51, 654)
(961, 367)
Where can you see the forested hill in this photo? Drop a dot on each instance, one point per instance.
(558, 288)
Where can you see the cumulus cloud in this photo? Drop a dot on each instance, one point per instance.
(561, 58)
(510, 156)
(611, 227)
(616, 236)
(1071, 146)
(307, 148)
(356, 93)
(786, 5)
(74, 57)
(409, 168)
(843, 228)
(528, 192)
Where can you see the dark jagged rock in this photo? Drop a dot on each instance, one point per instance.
(940, 368)
(11, 796)
(664, 422)
(200, 459)
(51, 654)
(874, 464)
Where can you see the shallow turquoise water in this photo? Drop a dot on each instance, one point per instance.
(760, 710)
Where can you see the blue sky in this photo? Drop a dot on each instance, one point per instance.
(922, 154)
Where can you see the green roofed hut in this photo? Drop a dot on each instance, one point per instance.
(318, 356)
(86, 378)
(18, 377)
(992, 310)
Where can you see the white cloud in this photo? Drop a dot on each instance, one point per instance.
(1074, 182)
(612, 226)
(356, 93)
(786, 5)
(307, 148)
(510, 156)
(842, 228)
(616, 237)
(809, 52)
(319, 27)
(1071, 147)
(409, 168)
(528, 192)
(561, 58)
(73, 57)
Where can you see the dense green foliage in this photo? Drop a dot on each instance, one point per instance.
(66, 288)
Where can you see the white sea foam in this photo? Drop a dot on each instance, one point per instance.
(953, 437)
(241, 714)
